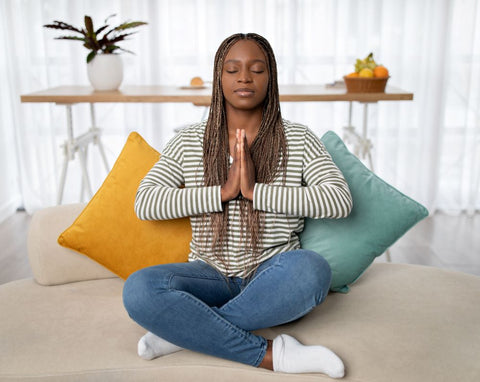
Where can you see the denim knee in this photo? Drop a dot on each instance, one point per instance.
(131, 292)
(138, 289)
(315, 273)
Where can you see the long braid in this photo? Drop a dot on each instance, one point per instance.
(268, 151)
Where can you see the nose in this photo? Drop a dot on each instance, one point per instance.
(244, 76)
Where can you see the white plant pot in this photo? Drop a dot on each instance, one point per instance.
(105, 72)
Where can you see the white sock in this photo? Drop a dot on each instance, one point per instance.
(151, 346)
(290, 356)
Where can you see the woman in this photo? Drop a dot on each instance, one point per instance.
(250, 177)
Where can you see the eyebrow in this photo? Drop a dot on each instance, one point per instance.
(252, 61)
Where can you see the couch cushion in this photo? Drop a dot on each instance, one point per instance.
(52, 264)
(380, 215)
(108, 230)
(399, 323)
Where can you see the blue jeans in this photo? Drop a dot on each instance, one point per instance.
(194, 306)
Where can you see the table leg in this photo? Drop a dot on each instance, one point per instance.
(63, 174)
(79, 145)
(68, 153)
(366, 143)
(361, 144)
(387, 255)
(83, 164)
(350, 109)
(69, 127)
(97, 140)
(83, 185)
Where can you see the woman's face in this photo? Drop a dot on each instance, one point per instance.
(245, 76)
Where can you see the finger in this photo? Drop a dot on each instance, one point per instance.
(242, 151)
(245, 143)
(237, 145)
(242, 133)
(238, 136)
(239, 141)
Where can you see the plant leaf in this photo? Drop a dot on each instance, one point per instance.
(94, 44)
(100, 30)
(121, 37)
(91, 39)
(63, 26)
(126, 50)
(106, 20)
(91, 56)
(106, 34)
(110, 48)
(89, 25)
(132, 24)
(70, 38)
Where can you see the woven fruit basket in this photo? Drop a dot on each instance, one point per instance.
(365, 85)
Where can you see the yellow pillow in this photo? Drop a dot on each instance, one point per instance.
(108, 230)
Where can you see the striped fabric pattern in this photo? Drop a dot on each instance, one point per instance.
(314, 187)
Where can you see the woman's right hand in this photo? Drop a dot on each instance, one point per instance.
(231, 188)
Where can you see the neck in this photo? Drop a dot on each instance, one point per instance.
(249, 120)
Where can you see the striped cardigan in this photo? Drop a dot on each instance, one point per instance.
(314, 187)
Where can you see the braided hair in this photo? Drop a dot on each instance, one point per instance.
(268, 151)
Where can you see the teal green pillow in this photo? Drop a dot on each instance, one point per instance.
(380, 216)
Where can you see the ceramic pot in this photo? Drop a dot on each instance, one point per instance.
(105, 72)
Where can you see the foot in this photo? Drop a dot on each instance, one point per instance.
(290, 356)
(151, 346)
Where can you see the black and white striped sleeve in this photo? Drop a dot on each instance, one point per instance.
(159, 196)
(325, 193)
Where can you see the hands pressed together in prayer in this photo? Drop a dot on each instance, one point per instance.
(241, 176)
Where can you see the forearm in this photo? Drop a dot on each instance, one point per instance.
(154, 202)
(327, 200)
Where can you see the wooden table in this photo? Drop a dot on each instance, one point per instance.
(70, 95)
(201, 97)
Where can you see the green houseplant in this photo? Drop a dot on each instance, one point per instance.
(93, 40)
(104, 66)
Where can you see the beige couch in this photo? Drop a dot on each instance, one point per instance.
(398, 323)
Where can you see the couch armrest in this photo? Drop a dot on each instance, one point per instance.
(51, 263)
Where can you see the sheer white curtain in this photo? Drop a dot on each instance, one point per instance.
(9, 186)
(428, 148)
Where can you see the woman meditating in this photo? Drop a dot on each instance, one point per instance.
(250, 178)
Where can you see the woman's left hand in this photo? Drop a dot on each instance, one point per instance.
(247, 168)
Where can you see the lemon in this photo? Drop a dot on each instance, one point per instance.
(366, 72)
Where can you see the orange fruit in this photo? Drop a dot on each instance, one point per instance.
(380, 71)
(196, 81)
(366, 72)
(353, 74)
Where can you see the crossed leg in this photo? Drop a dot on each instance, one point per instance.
(193, 306)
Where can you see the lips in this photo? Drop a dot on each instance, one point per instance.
(244, 92)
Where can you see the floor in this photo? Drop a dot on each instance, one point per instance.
(444, 241)
(14, 263)
(441, 240)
